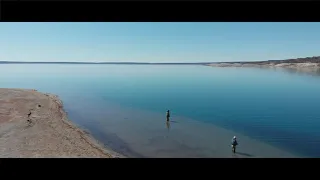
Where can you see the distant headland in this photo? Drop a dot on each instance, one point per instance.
(307, 62)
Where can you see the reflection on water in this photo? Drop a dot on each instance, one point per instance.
(296, 71)
(305, 71)
(168, 125)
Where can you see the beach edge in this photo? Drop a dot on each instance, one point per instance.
(94, 143)
(89, 141)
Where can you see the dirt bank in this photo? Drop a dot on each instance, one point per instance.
(33, 124)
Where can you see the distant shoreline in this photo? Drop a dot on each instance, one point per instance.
(303, 64)
(309, 65)
(116, 63)
(307, 62)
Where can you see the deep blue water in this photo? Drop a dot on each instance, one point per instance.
(276, 107)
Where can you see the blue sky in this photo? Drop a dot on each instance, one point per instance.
(157, 42)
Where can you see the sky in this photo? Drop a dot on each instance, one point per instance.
(157, 42)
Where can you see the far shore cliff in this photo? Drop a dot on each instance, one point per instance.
(308, 64)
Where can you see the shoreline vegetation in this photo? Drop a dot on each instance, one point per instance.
(308, 64)
(34, 124)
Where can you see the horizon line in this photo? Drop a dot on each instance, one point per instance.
(86, 62)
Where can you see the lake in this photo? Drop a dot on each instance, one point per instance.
(274, 113)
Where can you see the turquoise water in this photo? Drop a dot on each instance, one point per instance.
(124, 106)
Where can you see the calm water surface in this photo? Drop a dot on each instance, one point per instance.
(274, 113)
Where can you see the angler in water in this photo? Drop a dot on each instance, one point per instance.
(234, 143)
(168, 115)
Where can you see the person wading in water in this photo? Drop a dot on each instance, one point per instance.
(234, 143)
(168, 115)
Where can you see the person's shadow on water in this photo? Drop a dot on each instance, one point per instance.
(244, 154)
(236, 155)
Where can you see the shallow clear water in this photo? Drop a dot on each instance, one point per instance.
(124, 107)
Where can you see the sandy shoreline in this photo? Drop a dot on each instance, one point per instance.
(33, 124)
